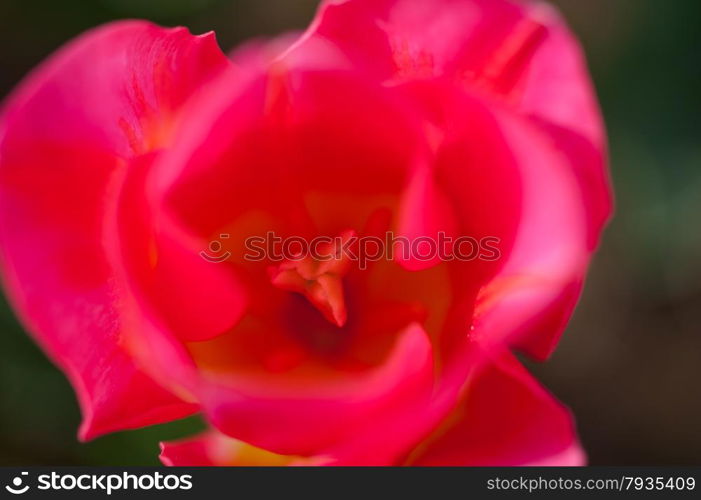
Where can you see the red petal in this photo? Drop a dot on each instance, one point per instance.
(549, 256)
(85, 114)
(284, 153)
(505, 418)
(192, 452)
(212, 448)
(522, 53)
(313, 416)
(520, 57)
(162, 266)
(504, 180)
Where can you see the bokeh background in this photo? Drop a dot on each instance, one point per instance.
(630, 362)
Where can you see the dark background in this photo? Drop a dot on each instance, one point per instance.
(629, 364)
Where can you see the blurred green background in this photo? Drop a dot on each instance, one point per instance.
(630, 362)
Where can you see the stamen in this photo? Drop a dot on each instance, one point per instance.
(319, 278)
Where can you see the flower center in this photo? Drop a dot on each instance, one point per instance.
(318, 276)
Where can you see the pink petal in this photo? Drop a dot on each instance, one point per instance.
(294, 417)
(521, 53)
(589, 163)
(286, 148)
(475, 181)
(164, 267)
(519, 56)
(425, 214)
(191, 452)
(540, 281)
(520, 50)
(84, 115)
(505, 418)
(212, 448)
(503, 180)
